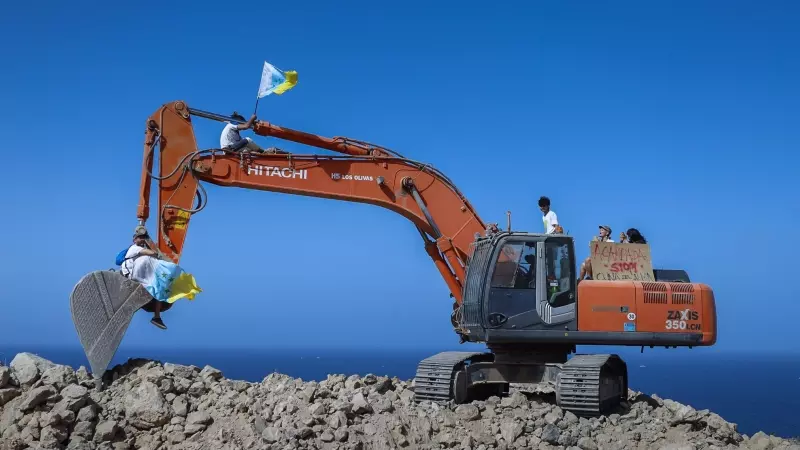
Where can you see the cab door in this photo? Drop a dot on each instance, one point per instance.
(512, 287)
(556, 287)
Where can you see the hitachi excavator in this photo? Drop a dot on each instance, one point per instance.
(500, 280)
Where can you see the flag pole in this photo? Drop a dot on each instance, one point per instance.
(258, 91)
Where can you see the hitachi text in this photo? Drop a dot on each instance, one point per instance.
(283, 172)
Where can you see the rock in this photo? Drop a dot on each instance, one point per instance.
(105, 431)
(27, 367)
(550, 434)
(87, 413)
(468, 412)
(211, 373)
(341, 435)
(52, 436)
(8, 394)
(180, 371)
(180, 407)
(36, 397)
(145, 407)
(59, 376)
(197, 421)
(511, 431)
(5, 376)
(272, 435)
(586, 443)
(360, 405)
(154, 406)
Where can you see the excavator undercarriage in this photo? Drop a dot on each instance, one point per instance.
(585, 384)
(515, 292)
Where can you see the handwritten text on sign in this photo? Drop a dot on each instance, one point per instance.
(612, 262)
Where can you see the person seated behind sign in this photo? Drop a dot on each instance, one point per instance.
(632, 236)
(230, 139)
(603, 236)
(138, 267)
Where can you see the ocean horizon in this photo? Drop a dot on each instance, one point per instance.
(758, 392)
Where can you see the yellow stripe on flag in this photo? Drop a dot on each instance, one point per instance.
(291, 81)
(184, 286)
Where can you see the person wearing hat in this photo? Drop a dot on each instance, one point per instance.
(603, 236)
(137, 268)
(230, 139)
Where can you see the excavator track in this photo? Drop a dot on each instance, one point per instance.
(436, 374)
(589, 385)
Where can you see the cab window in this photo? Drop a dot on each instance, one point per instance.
(515, 266)
(559, 272)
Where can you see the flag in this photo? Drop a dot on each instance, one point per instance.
(274, 81)
(168, 282)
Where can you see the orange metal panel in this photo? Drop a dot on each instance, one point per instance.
(606, 305)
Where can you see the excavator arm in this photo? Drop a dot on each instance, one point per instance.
(359, 172)
(103, 302)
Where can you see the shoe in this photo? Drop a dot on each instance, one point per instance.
(159, 323)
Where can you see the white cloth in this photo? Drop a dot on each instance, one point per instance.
(550, 221)
(230, 135)
(138, 269)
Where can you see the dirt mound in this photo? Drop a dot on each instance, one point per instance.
(149, 405)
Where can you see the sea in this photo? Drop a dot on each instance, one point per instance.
(757, 392)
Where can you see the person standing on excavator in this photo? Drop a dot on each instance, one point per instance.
(230, 139)
(550, 219)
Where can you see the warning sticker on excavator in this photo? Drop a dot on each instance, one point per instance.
(181, 220)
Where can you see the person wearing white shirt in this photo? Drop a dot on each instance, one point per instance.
(550, 218)
(230, 139)
(138, 266)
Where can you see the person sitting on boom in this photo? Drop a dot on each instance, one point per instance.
(230, 139)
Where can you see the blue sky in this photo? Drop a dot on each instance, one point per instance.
(678, 118)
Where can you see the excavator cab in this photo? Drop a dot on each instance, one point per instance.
(518, 284)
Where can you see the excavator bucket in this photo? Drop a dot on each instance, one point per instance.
(102, 306)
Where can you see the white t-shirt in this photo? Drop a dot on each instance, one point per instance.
(141, 268)
(550, 221)
(230, 135)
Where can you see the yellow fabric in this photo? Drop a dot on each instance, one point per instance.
(184, 286)
(291, 81)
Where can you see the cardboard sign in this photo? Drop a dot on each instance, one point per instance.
(614, 262)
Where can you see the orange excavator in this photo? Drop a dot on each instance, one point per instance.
(502, 281)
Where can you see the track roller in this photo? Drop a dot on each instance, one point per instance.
(440, 378)
(590, 385)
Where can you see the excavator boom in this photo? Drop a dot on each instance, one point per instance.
(362, 173)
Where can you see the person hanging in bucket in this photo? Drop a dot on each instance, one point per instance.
(166, 282)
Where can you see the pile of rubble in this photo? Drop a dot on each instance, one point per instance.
(148, 405)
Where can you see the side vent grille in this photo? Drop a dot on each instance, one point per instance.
(655, 293)
(682, 293)
(655, 297)
(681, 287)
